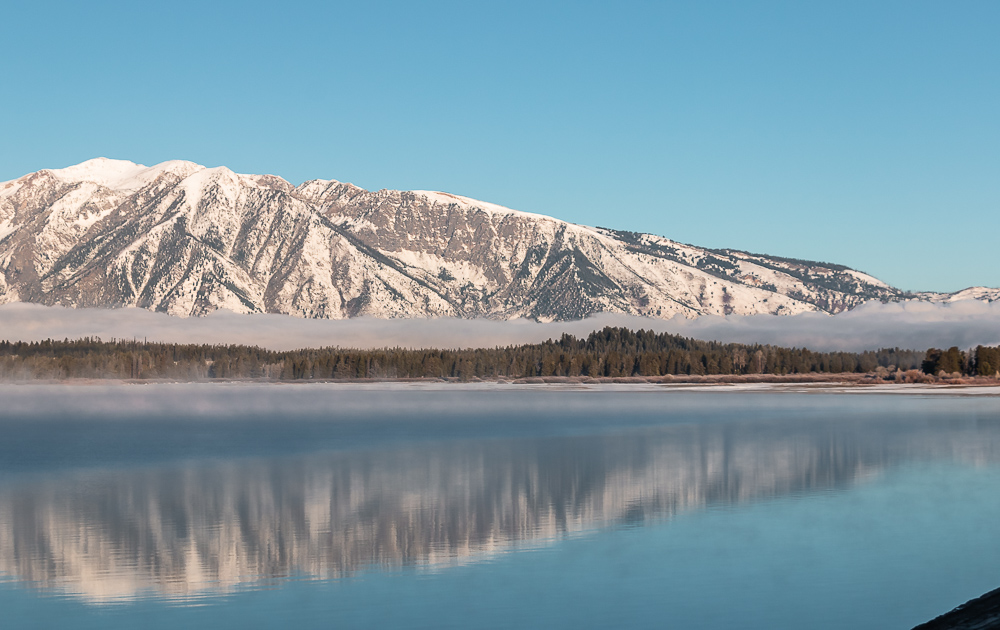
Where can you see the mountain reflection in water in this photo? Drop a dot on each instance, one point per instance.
(209, 526)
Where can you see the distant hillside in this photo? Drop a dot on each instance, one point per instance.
(186, 240)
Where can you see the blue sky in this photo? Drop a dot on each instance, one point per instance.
(864, 133)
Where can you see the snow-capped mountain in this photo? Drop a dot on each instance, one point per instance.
(184, 239)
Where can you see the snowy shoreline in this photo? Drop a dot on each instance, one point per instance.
(539, 385)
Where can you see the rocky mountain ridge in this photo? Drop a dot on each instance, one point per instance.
(186, 240)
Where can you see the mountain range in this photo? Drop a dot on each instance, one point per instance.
(184, 239)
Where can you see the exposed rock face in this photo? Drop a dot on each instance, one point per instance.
(186, 240)
(981, 613)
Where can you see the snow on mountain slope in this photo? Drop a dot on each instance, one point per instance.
(184, 239)
(984, 294)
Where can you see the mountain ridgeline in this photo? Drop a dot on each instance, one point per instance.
(186, 240)
(608, 353)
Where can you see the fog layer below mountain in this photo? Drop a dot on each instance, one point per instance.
(906, 325)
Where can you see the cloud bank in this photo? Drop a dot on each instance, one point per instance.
(916, 325)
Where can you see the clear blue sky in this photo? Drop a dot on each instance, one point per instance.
(865, 133)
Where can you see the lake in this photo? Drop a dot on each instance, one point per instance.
(494, 506)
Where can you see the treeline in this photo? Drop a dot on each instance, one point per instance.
(609, 353)
(983, 361)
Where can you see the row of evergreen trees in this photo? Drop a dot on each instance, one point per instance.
(611, 352)
(982, 361)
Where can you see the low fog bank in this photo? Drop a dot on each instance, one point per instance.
(916, 325)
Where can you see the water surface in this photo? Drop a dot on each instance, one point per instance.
(375, 506)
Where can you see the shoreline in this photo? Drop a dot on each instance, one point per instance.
(770, 383)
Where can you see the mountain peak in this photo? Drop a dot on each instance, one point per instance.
(103, 171)
(121, 174)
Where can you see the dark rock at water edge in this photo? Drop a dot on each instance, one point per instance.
(982, 613)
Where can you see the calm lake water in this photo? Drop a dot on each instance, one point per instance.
(322, 506)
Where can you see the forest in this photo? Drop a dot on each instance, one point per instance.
(607, 353)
